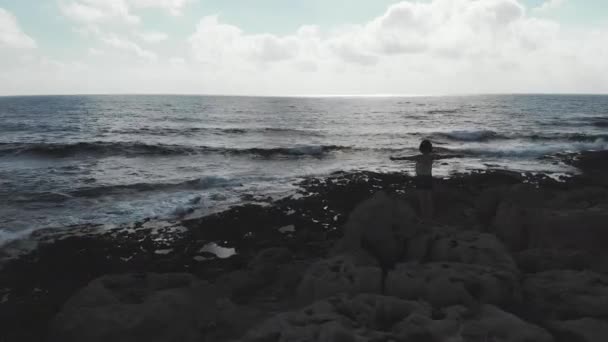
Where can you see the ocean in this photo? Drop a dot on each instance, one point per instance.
(71, 160)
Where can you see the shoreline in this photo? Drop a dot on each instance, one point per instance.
(300, 229)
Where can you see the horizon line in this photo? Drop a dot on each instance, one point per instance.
(379, 95)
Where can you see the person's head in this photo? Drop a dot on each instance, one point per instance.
(426, 147)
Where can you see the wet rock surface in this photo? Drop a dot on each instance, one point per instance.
(508, 257)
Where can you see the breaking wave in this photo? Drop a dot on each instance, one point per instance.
(139, 149)
(189, 131)
(489, 135)
(529, 151)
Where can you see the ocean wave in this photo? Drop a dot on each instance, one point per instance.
(443, 111)
(203, 183)
(480, 135)
(91, 148)
(139, 149)
(188, 131)
(599, 121)
(574, 137)
(585, 121)
(489, 135)
(529, 151)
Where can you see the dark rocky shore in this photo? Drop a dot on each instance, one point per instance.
(510, 257)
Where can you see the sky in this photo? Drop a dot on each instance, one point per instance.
(303, 47)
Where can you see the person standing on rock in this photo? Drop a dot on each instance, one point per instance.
(424, 177)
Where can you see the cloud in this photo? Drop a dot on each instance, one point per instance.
(413, 47)
(98, 11)
(11, 35)
(215, 42)
(174, 7)
(458, 45)
(129, 46)
(153, 37)
(95, 52)
(549, 5)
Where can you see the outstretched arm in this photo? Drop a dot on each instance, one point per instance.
(447, 156)
(405, 158)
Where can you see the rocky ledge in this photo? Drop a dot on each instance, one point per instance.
(508, 257)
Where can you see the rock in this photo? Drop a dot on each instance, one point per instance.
(380, 318)
(575, 229)
(261, 271)
(563, 294)
(338, 275)
(469, 247)
(446, 284)
(486, 204)
(540, 260)
(494, 324)
(147, 307)
(490, 324)
(580, 330)
(517, 216)
(525, 219)
(594, 165)
(579, 198)
(267, 261)
(362, 318)
(452, 205)
(380, 225)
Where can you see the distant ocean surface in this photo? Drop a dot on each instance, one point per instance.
(68, 160)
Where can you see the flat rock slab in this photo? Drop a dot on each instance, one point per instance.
(446, 284)
(338, 275)
(380, 225)
(359, 318)
(144, 307)
(542, 259)
(468, 247)
(380, 318)
(580, 330)
(564, 295)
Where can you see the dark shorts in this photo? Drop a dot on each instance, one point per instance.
(424, 182)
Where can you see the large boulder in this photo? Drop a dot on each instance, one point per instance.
(579, 198)
(338, 275)
(489, 324)
(541, 259)
(380, 225)
(360, 318)
(563, 295)
(147, 307)
(517, 216)
(575, 229)
(486, 204)
(446, 284)
(594, 165)
(469, 247)
(580, 330)
(379, 318)
(263, 270)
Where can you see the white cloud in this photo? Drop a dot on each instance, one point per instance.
(174, 7)
(215, 42)
(550, 5)
(458, 45)
(11, 35)
(153, 37)
(97, 11)
(95, 52)
(414, 47)
(129, 46)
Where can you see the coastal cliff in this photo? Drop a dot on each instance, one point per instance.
(508, 257)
